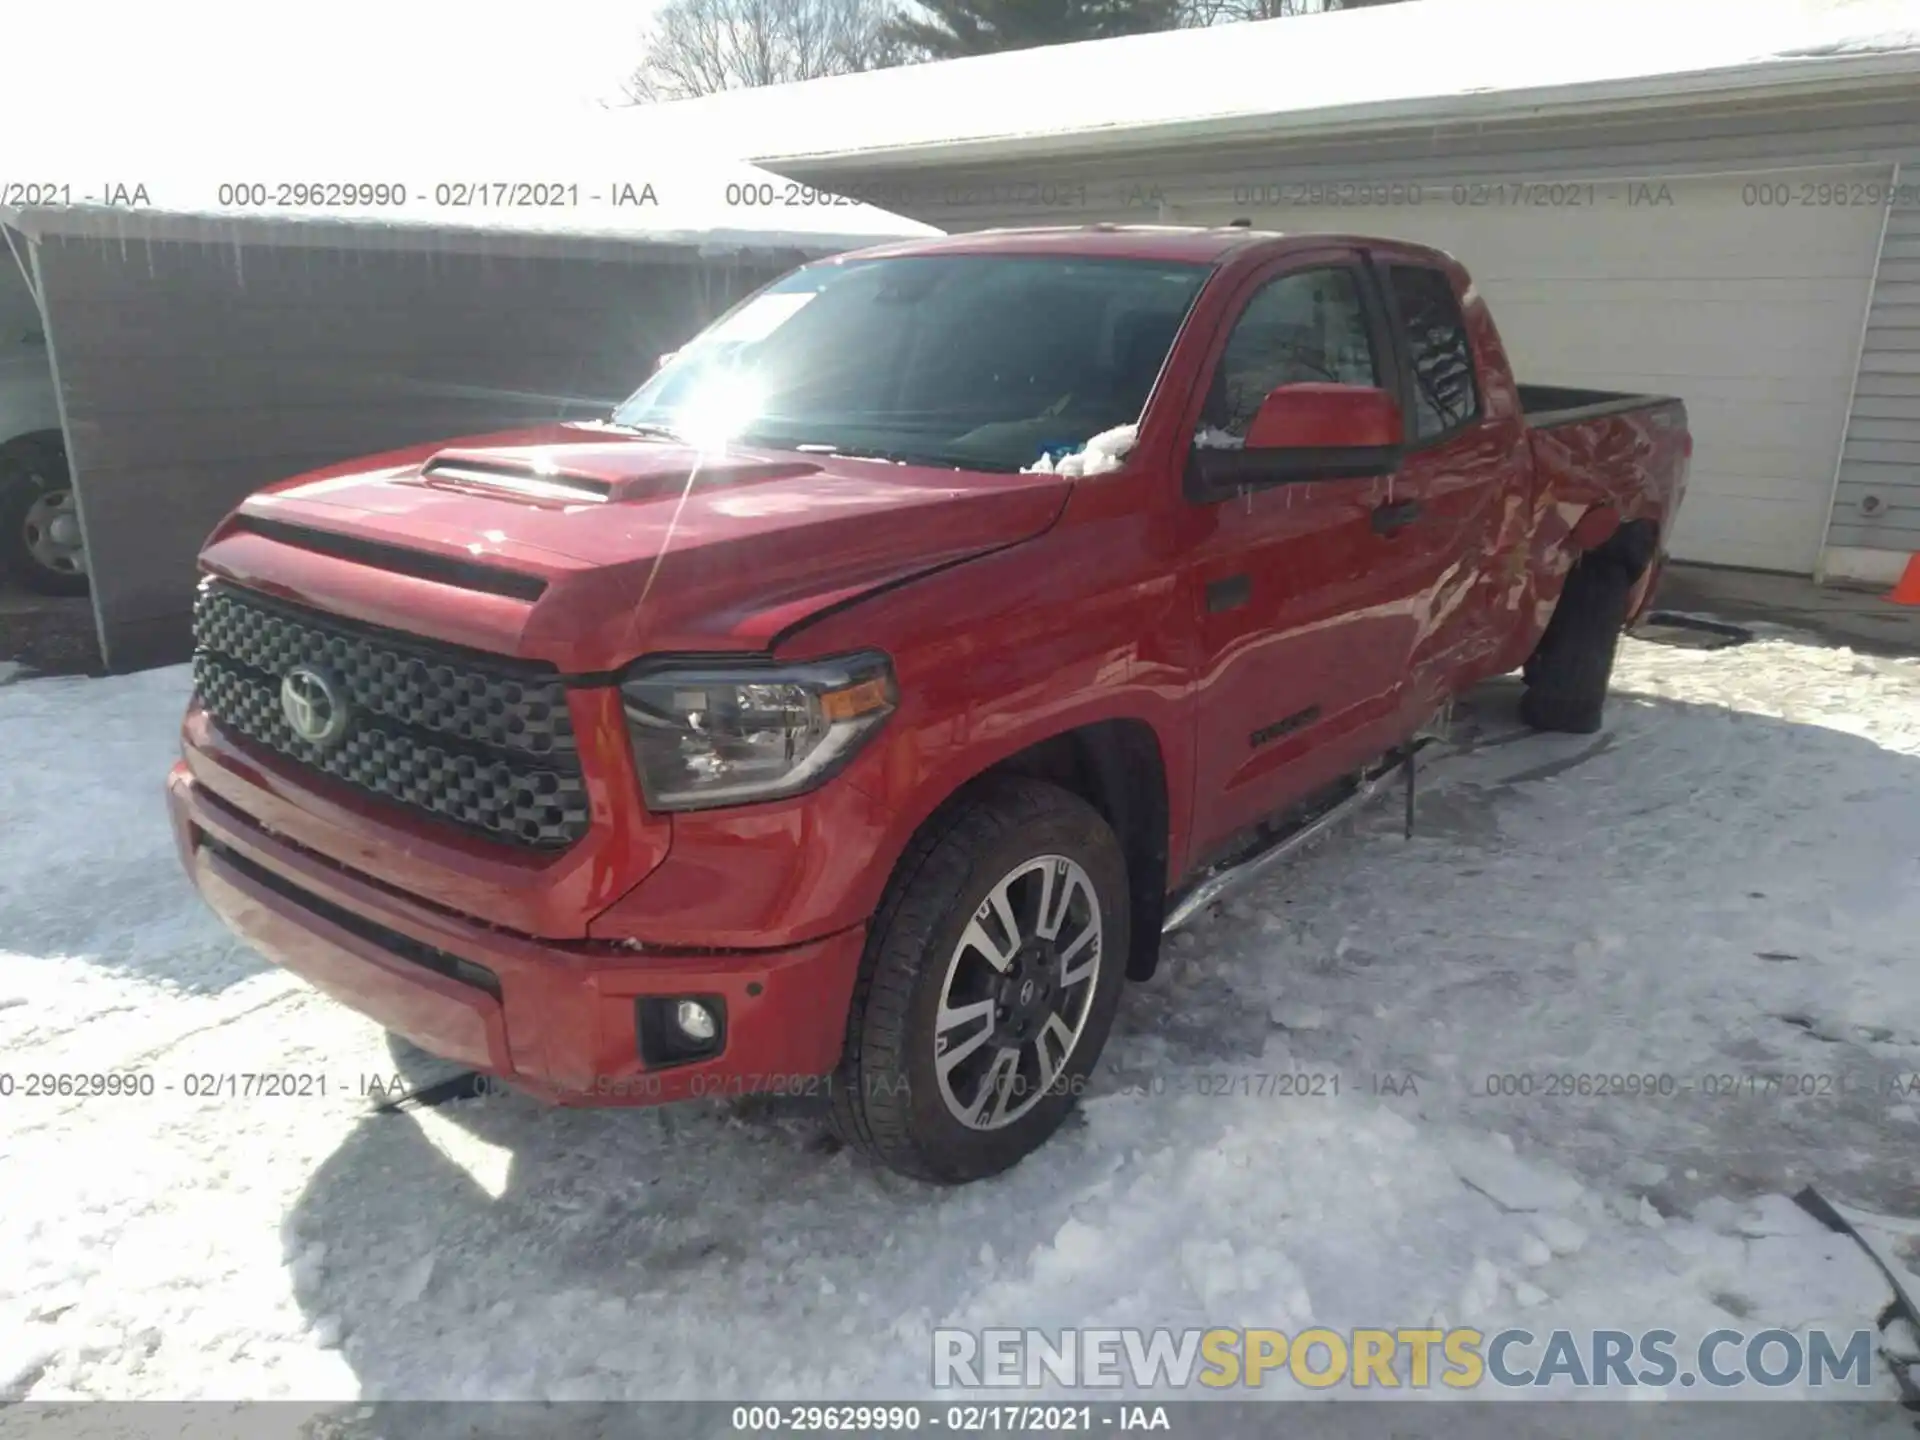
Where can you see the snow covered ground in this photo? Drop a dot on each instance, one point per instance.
(1724, 887)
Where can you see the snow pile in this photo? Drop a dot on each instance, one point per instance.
(1104, 453)
(1723, 885)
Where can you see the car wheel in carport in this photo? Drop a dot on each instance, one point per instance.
(40, 542)
(989, 984)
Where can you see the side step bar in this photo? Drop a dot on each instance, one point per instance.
(1224, 880)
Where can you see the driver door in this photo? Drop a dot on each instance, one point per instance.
(1303, 650)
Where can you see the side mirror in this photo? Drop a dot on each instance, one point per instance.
(1308, 432)
(665, 357)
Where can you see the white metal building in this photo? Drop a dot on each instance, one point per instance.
(1718, 199)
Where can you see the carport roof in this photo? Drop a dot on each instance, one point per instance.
(581, 237)
(1397, 67)
(355, 179)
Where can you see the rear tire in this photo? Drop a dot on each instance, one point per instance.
(39, 527)
(969, 1041)
(1568, 673)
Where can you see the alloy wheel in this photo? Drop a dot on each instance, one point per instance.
(1017, 992)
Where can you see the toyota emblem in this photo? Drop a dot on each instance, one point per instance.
(313, 704)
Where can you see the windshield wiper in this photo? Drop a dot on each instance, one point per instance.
(930, 459)
(664, 432)
(851, 452)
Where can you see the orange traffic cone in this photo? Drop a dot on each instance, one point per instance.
(1907, 592)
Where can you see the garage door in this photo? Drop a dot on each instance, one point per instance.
(1729, 292)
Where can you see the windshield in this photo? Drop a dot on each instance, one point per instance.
(988, 362)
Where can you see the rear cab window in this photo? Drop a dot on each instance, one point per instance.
(1442, 395)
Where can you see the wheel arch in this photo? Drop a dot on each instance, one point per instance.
(1118, 767)
(1602, 537)
(29, 444)
(1602, 531)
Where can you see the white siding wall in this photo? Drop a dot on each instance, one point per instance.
(1881, 460)
(1753, 314)
(1750, 312)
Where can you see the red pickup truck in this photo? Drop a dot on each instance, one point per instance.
(855, 709)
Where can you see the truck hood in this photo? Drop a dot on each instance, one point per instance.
(586, 547)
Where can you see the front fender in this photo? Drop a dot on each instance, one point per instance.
(1083, 625)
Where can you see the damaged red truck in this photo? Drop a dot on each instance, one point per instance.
(857, 707)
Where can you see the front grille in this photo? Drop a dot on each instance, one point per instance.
(483, 743)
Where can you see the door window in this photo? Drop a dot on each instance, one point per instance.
(1310, 325)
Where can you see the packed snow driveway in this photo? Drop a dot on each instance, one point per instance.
(1716, 902)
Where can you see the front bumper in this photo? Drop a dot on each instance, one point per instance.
(556, 1018)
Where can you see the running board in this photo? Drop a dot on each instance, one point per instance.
(1224, 881)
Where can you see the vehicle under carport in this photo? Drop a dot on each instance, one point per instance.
(39, 529)
(193, 358)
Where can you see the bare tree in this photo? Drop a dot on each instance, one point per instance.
(697, 47)
(1226, 12)
(950, 29)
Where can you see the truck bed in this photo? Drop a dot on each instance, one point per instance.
(1600, 449)
(1548, 405)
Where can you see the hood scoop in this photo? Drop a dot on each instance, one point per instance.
(597, 475)
(449, 467)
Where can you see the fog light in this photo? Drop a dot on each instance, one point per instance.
(679, 1029)
(695, 1021)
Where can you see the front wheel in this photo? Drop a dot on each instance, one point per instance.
(989, 984)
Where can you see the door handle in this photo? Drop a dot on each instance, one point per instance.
(1389, 518)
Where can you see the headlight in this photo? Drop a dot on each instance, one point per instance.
(727, 734)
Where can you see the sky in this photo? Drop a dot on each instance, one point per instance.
(185, 100)
(212, 60)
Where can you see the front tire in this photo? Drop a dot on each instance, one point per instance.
(989, 984)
